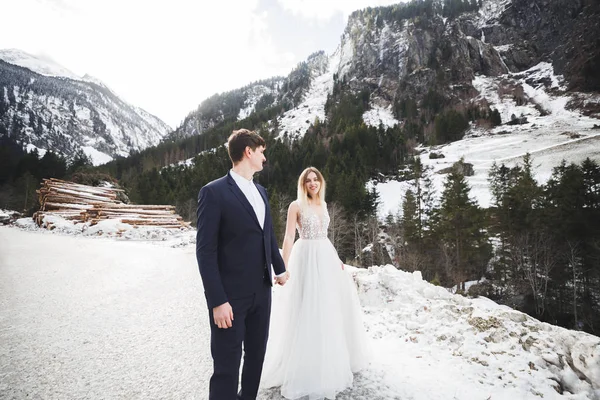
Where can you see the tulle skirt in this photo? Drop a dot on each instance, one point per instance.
(316, 338)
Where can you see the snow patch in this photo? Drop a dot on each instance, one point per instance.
(475, 348)
(296, 121)
(490, 12)
(110, 228)
(549, 136)
(31, 148)
(36, 64)
(378, 115)
(345, 54)
(97, 157)
(254, 94)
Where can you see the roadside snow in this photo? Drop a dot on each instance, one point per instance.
(101, 318)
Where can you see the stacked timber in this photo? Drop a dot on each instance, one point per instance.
(83, 203)
(132, 214)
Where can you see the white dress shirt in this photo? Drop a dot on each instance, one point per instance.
(251, 192)
(254, 198)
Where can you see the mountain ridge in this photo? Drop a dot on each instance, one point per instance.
(69, 114)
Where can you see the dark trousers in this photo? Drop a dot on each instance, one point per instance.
(251, 326)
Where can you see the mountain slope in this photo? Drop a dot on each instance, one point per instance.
(229, 106)
(36, 64)
(555, 125)
(52, 109)
(419, 61)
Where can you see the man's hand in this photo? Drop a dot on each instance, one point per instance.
(223, 316)
(281, 280)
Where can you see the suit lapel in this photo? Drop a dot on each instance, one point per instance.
(242, 198)
(263, 195)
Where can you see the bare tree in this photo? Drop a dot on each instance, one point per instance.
(283, 201)
(187, 210)
(414, 260)
(411, 144)
(8, 196)
(371, 233)
(535, 256)
(395, 239)
(575, 263)
(448, 261)
(358, 239)
(339, 226)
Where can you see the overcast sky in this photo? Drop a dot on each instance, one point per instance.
(168, 56)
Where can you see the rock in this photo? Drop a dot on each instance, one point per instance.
(517, 120)
(8, 217)
(572, 135)
(528, 343)
(433, 155)
(495, 337)
(483, 325)
(465, 168)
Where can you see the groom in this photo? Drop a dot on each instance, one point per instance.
(235, 248)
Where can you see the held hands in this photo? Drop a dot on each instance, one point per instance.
(223, 316)
(281, 280)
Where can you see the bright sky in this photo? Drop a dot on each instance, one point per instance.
(168, 56)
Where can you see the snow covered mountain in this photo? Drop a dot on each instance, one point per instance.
(228, 107)
(555, 125)
(417, 60)
(46, 106)
(36, 64)
(396, 54)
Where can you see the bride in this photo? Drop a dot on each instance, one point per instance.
(316, 338)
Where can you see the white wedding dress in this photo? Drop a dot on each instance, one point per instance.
(316, 337)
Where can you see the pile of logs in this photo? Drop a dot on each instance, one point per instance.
(73, 201)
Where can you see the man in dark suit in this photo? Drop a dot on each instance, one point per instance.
(235, 248)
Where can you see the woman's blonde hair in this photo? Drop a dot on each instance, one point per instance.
(303, 195)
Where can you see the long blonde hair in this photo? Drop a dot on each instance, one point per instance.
(303, 195)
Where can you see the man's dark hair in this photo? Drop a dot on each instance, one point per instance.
(239, 140)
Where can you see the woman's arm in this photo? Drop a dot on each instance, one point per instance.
(290, 231)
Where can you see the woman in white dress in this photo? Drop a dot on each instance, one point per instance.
(316, 338)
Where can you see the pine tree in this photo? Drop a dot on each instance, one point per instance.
(501, 179)
(525, 196)
(410, 220)
(517, 223)
(80, 160)
(52, 165)
(459, 227)
(423, 195)
(26, 186)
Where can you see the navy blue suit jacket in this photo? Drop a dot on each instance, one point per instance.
(234, 253)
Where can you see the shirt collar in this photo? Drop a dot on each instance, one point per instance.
(240, 180)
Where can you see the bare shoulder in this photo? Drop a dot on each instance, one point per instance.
(294, 207)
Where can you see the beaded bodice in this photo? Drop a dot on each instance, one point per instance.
(313, 225)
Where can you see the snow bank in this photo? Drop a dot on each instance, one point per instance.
(475, 348)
